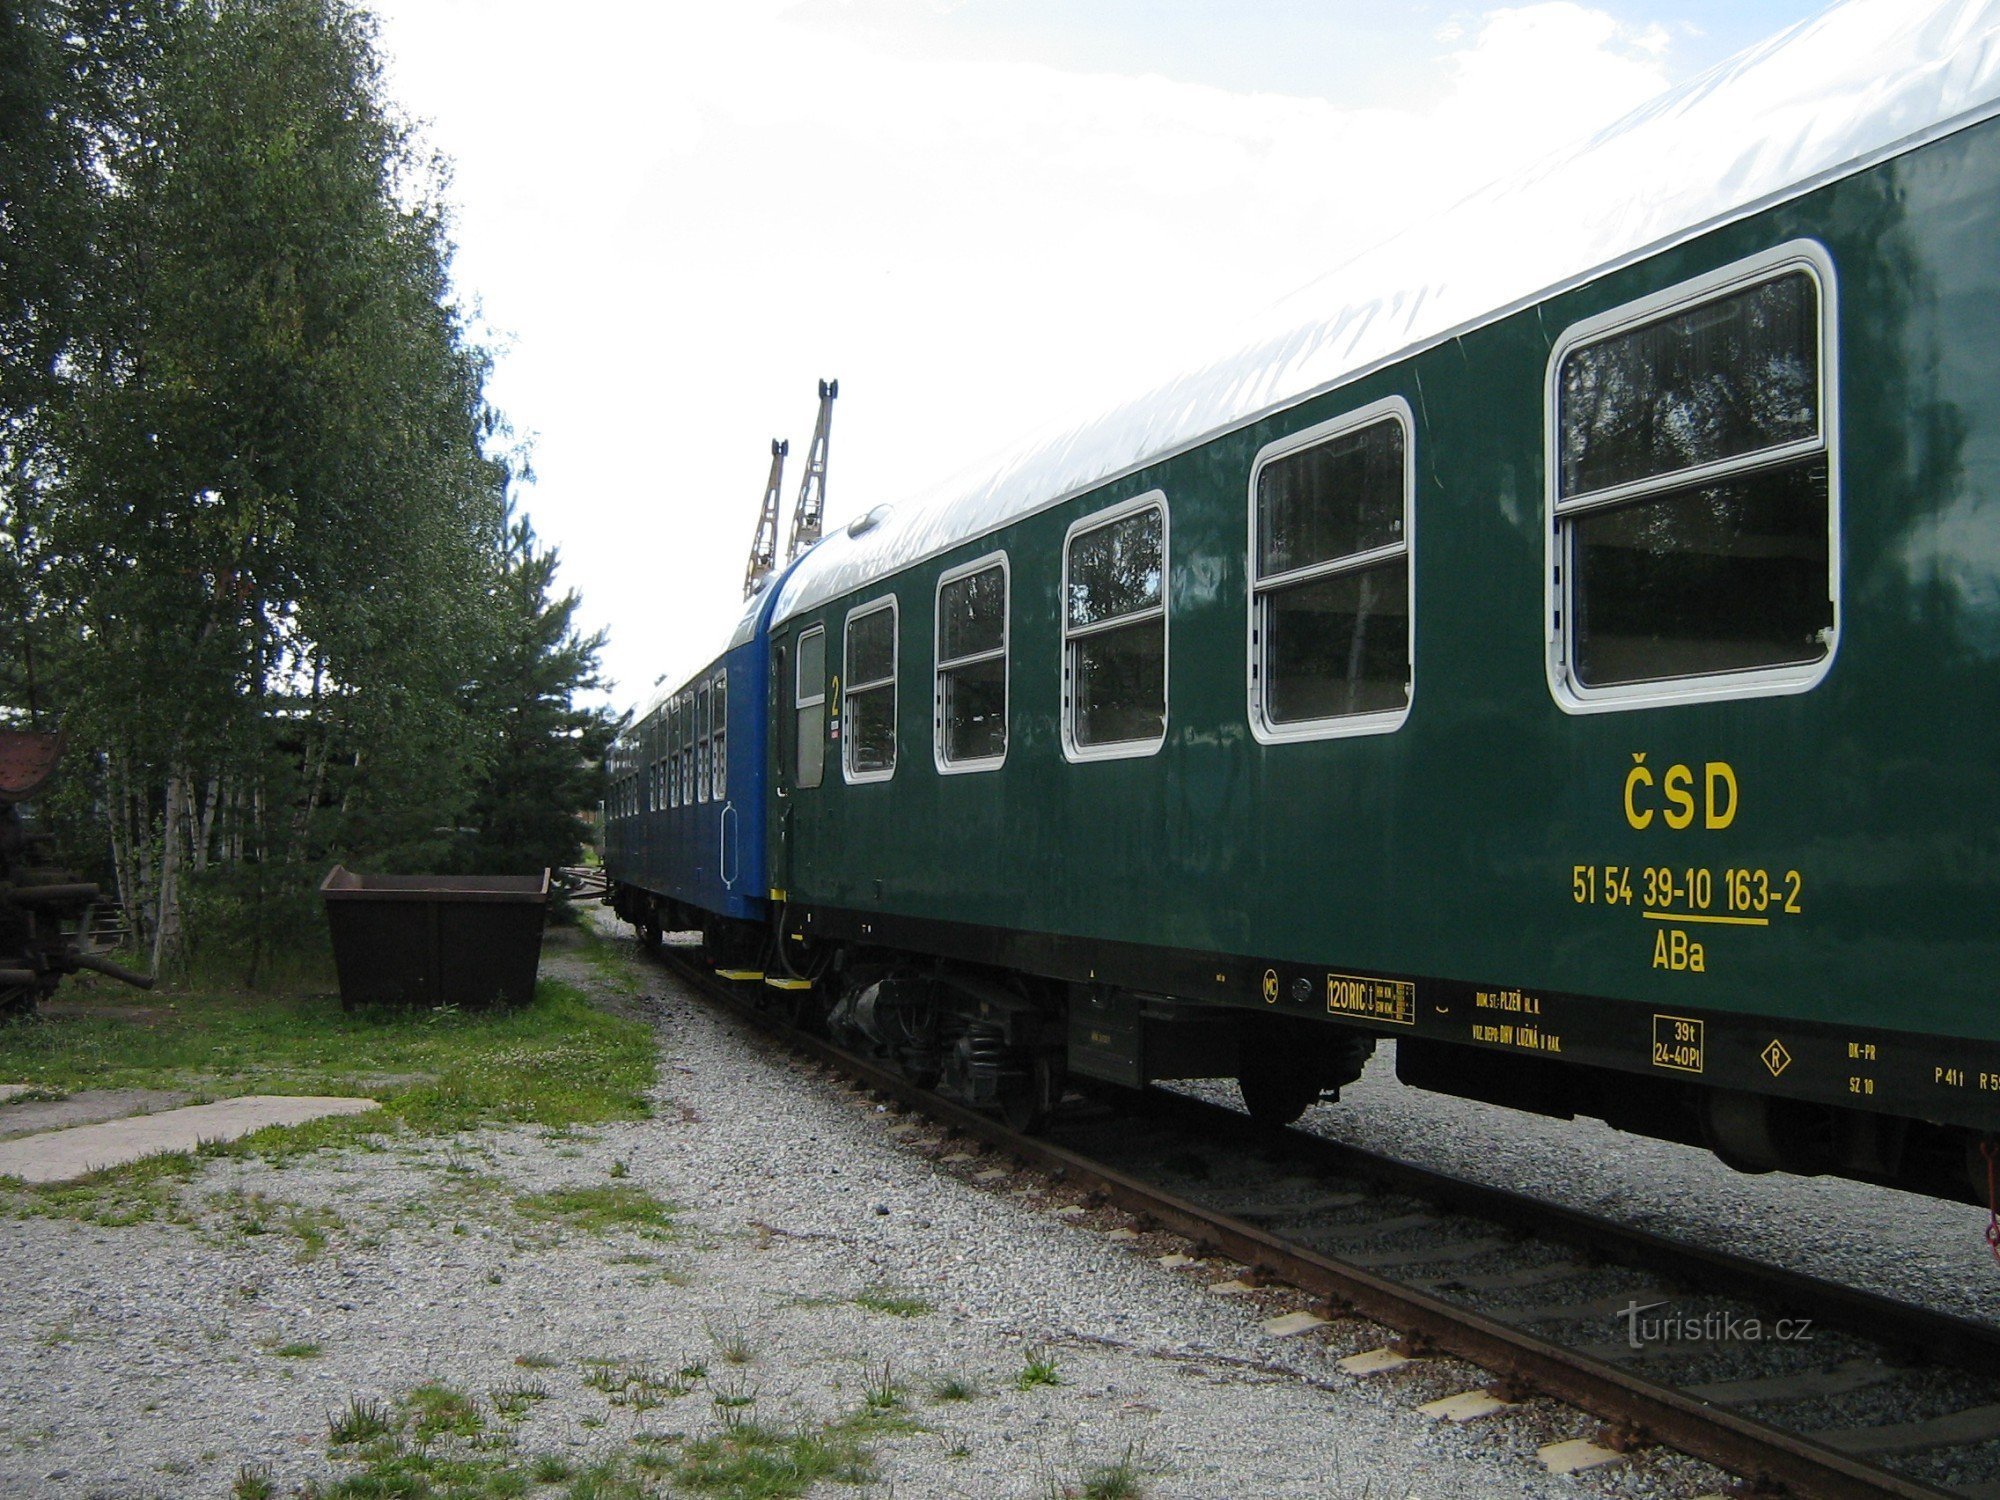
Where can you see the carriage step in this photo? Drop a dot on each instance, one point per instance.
(788, 984)
(739, 974)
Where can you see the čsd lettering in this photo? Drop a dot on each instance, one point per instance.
(1673, 795)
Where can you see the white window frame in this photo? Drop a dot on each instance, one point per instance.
(718, 735)
(689, 747)
(1558, 612)
(847, 688)
(800, 702)
(1339, 726)
(1096, 520)
(1005, 655)
(699, 697)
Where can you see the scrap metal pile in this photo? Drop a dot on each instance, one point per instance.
(45, 911)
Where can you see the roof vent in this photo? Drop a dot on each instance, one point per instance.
(861, 525)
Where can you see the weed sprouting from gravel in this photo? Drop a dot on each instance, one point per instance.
(883, 1392)
(1117, 1481)
(253, 1482)
(1038, 1367)
(514, 1402)
(362, 1422)
(637, 1384)
(532, 1361)
(732, 1342)
(299, 1349)
(732, 1399)
(434, 1410)
(550, 1468)
(897, 1304)
(953, 1388)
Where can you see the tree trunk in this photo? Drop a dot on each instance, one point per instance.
(205, 829)
(315, 783)
(118, 823)
(167, 935)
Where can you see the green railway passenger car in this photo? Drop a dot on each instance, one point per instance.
(1570, 650)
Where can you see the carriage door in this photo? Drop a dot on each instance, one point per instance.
(781, 739)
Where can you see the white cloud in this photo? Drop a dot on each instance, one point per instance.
(685, 214)
(1551, 72)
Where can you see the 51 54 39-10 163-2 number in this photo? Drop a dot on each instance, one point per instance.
(1693, 888)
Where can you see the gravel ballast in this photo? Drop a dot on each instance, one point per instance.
(159, 1358)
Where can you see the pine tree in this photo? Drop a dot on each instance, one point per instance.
(547, 758)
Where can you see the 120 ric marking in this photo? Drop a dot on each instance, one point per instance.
(1662, 888)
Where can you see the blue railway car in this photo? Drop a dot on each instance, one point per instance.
(684, 821)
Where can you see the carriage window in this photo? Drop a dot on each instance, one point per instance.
(701, 743)
(1330, 611)
(971, 700)
(720, 700)
(1115, 632)
(1693, 491)
(811, 701)
(868, 700)
(690, 729)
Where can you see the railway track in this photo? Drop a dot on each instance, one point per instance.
(1548, 1301)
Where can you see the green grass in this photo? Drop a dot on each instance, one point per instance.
(953, 1388)
(435, 1410)
(751, 1461)
(601, 1210)
(302, 1349)
(639, 1385)
(515, 1401)
(558, 1062)
(897, 1304)
(255, 1214)
(610, 960)
(1115, 1481)
(362, 1422)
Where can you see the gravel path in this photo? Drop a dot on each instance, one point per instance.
(155, 1359)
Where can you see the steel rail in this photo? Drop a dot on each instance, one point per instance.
(1921, 1332)
(1766, 1455)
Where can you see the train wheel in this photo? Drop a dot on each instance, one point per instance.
(1029, 1110)
(1276, 1096)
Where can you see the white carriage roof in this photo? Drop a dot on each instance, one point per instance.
(1822, 98)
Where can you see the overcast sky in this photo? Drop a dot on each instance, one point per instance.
(979, 215)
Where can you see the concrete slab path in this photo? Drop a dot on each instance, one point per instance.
(14, 1090)
(63, 1155)
(85, 1107)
